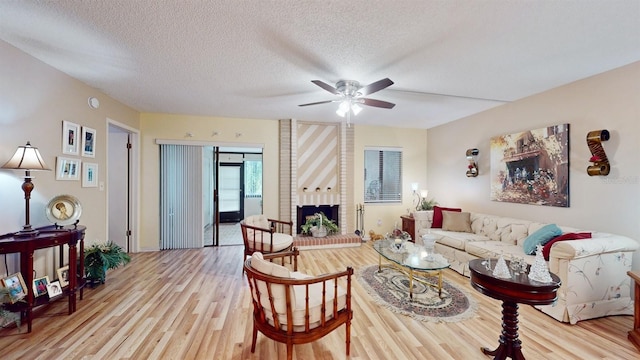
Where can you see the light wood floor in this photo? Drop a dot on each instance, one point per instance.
(194, 304)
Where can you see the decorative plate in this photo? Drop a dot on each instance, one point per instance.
(63, 210)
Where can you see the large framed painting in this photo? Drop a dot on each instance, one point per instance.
(531, 167)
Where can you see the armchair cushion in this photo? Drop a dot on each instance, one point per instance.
(267, 267)
(257, 221)
(298, 295)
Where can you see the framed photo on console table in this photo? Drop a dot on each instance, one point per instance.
(63, 276)
(54, 289)
(40, 286)
(16, 286)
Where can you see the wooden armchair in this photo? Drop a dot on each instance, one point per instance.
(294, 308)
(266, 235)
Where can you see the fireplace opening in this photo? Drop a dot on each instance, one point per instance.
(330, 211)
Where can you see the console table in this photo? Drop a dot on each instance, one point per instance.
(634, 334)
(511, 291)
(48, 237)
(409, 225)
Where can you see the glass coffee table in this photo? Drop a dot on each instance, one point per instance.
(411, 259)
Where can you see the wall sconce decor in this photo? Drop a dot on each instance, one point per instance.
(26, 158)
(598, 156)
(414, 191)
(472, 168)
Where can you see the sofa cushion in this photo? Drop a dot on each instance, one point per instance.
(546, 249)
(493, 249)
(456, 221)
(437, 215)
(540, 237)
(456, 240)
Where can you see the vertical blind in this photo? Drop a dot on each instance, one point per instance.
(181, 204)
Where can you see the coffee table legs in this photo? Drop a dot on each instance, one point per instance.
(510, 346)
(410, 273)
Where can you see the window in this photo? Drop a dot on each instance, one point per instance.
(382, 175)
(253, 178)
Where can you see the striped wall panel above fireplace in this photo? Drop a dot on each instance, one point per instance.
(318, 159)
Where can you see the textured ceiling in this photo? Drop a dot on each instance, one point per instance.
(256, 59)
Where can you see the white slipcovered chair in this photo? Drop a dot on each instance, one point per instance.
(266, 235)
(295, 308)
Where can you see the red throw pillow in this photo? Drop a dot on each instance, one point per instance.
(437, 215)
(546, 249)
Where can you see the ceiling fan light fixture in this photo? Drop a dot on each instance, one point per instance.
(344, 107)
(356, 109)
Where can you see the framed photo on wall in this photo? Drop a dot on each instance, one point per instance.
(88, 142)
(67, 168)
(89, 175)
(70, 138)
(17, 287)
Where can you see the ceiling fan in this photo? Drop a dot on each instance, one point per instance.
(351, 95)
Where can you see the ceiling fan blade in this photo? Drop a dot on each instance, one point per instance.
(377, 103)
(326, 86)
(317, 103)
(376, 86)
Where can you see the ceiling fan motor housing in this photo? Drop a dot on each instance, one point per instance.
(349, 88)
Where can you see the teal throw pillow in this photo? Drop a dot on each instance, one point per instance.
(540, 237)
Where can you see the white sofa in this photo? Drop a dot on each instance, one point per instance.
(593, 271)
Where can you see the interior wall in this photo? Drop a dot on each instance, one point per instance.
(34, 100)
(604, 203)
(230, 131)
(381, 218)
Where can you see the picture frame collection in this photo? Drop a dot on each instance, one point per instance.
(77, 141)
(41, 286)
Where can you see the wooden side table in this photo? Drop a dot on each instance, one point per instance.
(511, 291)
(409, 225)
(634, 335)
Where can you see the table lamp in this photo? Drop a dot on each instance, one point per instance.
(26, 158)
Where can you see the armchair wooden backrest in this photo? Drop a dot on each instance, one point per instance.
(294, 308)
(266, 235)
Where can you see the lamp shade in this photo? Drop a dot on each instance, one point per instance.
(26, 158)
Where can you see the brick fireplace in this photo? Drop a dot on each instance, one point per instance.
(316, 172)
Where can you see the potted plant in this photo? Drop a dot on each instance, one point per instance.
(6, 316)
(426, 204)
(99, 258)
(319, 225)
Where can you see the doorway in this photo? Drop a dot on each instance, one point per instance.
(239, 189)
(231, 192)
(122, 185)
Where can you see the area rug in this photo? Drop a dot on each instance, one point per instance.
(390, 288)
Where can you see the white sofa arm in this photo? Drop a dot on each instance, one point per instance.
(601, 243)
